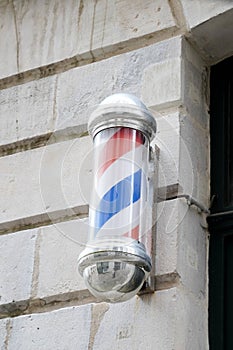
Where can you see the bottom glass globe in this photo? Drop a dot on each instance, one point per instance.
(114, 270)
(114, 281)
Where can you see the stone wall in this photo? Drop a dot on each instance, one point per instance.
(59, 59)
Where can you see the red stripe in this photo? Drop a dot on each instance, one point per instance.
(120, 143)
(134, 233)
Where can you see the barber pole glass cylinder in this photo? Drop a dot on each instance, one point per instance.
(115, 263)
(120, 185)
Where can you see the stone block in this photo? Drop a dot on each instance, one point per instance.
(3, 333)
(168, 140)
(49, 264)
(80, 90)
(192, 321)
(197, 12)
(56, 33)
(120, 21)
(192, 250)
(59, 247)
(192, 55)
(166, 237)
(161, 84)
(214, 37)
(181, 244)
(8, 40)
(17, 252)
(45, 180)
(194, 159)
(178, 81)
(76, 29)
(68, 328)
(27, 110)
(184, 151)
(195, 92)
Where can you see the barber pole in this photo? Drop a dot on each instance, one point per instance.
(120, 184)
(116, 260)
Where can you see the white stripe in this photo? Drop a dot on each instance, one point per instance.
(122, 222)
(123, 167)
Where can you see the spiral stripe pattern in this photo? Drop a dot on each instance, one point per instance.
(119, 179)
(118, 198)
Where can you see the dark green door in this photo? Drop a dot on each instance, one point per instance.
(221, 218)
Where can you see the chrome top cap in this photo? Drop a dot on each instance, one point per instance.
(123, 99)
(122, 110)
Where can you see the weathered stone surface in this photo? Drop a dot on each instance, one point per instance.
(83, 29)
(181, 244)
(96, 326)
(67, 328)
(161, 85)
(178, 81)
(3, 333)
(56, 31)
(44, 180)
(214, 37)
(197, 12)
(81, 90)
(160, 318)
(44, 265)
(58, 250)
(64, 103)
(192, 321)
(8, 39)
(140, 323)
(194, 159)
(168, 140)
(184, 152)
(210, 22)
(195, 89)
(16, 265)
(166, 237)
(192, 249)
(182, 158)
(123, 20)
(27, 110)
(153, 322)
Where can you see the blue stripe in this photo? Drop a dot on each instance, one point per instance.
(120, 196)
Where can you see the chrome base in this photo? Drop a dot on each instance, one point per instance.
(105, 250)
